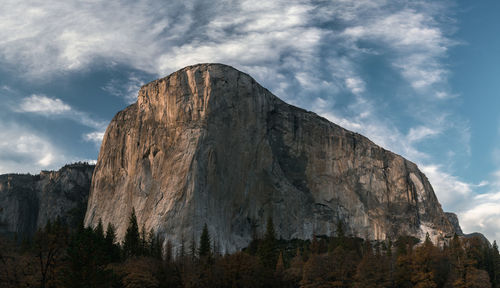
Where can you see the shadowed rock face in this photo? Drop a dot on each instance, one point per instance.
(453, 219)
(27, 202)
(208, 144)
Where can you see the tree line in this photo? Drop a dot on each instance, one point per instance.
(58, 256)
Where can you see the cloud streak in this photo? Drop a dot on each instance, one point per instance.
(50, 107)
(327, 56)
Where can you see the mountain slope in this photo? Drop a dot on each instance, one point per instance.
(208, 144)
(27, 202)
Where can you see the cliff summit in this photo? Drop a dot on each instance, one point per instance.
(208, 144)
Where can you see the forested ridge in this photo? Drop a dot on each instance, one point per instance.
(62, 256)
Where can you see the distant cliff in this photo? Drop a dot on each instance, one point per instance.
(208, 144)
(28, 201)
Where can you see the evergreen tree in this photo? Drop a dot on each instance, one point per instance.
(423, 266)
(112, 249)
(340, 234)
(267, 249)
(280, 265)
(143, 241)
(110, 237)
(193, 249)
(182, 251)
(168, 252)
(99, 230)
(314, 245)
(373, 270)
(132, 242)
(86, 260)
(495, 280)
(151, 243)
(204, 250)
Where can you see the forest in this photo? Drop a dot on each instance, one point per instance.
(64, 256)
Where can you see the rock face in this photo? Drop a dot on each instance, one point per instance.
(28, 201)
(453, 219)
(208, 144)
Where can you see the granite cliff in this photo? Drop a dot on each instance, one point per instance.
(208, 144)
(27, 202)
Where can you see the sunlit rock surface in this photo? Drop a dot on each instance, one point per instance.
(208, 144)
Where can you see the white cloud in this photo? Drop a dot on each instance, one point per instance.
(310, 53)
(24, 150)
(46, 106)
(42, 104)
(356, 85)
(451, 191)
(53, 107)
(127, 90)
(483, 215)
(420, 133)
(415, 38)
(282, 38)
(95, 137)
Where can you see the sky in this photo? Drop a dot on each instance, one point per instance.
(420, 78)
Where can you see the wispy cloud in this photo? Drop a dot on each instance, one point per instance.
(53, 107)
(95, 137)
(47, 106)
(420, 133)
(315, 54)
(125, 88)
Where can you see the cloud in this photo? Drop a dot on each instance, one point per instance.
(95, 137)
(24, 150)
(53, 107)
(483, 211)
(43, 105)
(451, 191)
(416, 39)
(420, 133)
(125, 88)
(483, 215)
(314, 54)
(356, 85)
(49, 107)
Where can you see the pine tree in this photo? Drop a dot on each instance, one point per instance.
(182, 251)
(86, 260)
(373, 270)
(340, 234)
(204, 250)
(193, 249)
(99, 230)
(110, 237)
(423, 264)
(144, 241)
(495, 280)
(112, 249)
(267, 249)
(280, 265)
(168, 251)
(132, 243)
(315, 245)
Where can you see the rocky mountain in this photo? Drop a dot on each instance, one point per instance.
(208, 144)
(27, 202)
(453, 219)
